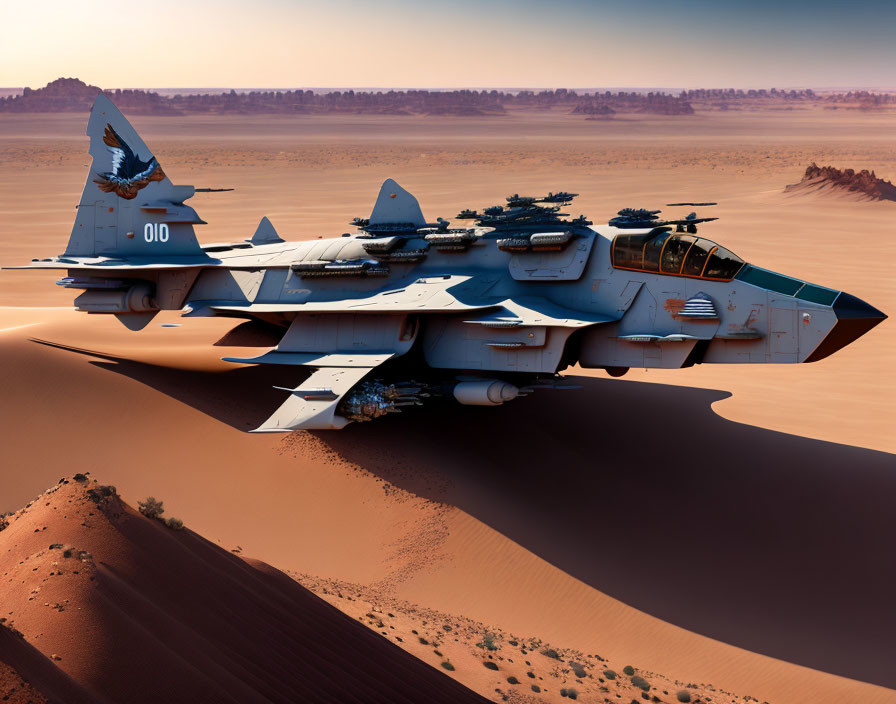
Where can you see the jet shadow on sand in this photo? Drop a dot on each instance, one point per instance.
(772, 542)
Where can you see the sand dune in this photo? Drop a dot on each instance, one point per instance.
(753, 534)
(28, 675)
(714, 533)
(133, 611)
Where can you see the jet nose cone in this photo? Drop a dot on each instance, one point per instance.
(854, 319)
(851, 308)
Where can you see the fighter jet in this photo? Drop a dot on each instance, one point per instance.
(402, 312)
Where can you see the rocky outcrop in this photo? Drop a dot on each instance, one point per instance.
(864, 184)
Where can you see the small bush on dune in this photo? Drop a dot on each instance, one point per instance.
(513, 680)
(536, 688)
(610, 674)
(640, 682)
(490, 665)
(448, 666)
(488, 642)
(151, 507)
(683, 696)
(551, 653)
(578, 669)
(629, 670)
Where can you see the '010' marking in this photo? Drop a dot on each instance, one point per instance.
(155, 232)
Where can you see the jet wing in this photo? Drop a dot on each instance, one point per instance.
(134, 263)
(428, 294)
(313, 403)
(537, 311)
(366, 360)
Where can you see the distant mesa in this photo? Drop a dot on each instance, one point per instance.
(860, 185)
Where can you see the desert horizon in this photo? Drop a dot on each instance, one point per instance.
(190, 89)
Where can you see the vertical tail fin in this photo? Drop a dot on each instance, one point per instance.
(129, 207)
(395, 205)
(265, 233)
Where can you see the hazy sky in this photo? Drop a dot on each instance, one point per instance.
(450, 43)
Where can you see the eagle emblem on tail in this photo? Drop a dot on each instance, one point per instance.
(129, 174)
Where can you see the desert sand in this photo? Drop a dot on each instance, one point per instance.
(716, 525)
(134, 611)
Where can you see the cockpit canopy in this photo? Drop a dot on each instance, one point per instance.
(673, 254)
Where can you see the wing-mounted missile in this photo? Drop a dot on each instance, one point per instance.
(518, 201)
(689, 223)
(457, 241)
(527, 213)
(636, 218)
(393, 249)
(640, 218)
(536, 242)
(563, 197)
